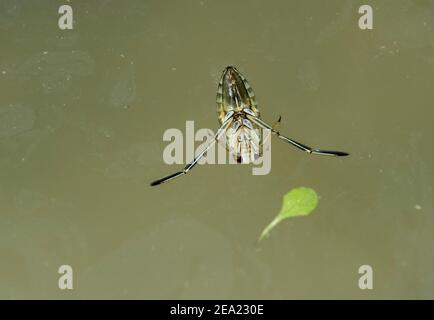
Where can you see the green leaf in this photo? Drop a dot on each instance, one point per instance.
(297, 202)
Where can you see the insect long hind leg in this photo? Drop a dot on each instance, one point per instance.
(310, 150)
(188, 167)
(299, 145)
(168, 178)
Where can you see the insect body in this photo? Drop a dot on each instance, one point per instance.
(240, 122)
(234, 96)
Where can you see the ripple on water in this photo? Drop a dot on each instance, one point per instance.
(118, 88)
(309, 76)
(15, 119)
(54, 70)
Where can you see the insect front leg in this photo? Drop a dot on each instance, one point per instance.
(299, 145)
(275, 126)
(226, 122)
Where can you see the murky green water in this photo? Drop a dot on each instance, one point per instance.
(82, 115)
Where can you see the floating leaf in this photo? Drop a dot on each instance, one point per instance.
(297, 202)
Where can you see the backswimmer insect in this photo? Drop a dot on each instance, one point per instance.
(240, 121)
